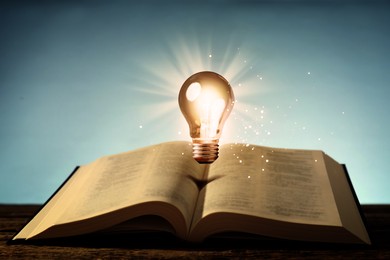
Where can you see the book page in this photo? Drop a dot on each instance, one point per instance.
(346, 203)
(280, 184)
(156, 173)
(159, 173)
(55, 207)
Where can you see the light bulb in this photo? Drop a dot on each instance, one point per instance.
(206, 100)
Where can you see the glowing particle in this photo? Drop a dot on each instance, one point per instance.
(262, 169)
(182, 153)
(247, 145)
(266, 160)
(210, 56)
(179, 133)
(249, 176)
(308, 73)
(262, 156)
(303, 128)
(319, 138)
(255, 108)
(343, 113)
(140, 126)
(240, 161)
(262, 111)
(315, 160)
(268, 133)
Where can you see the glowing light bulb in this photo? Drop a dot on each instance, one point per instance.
(206, 100)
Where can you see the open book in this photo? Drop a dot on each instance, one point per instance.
(281, 193)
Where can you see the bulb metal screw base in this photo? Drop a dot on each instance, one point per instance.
(205, 153)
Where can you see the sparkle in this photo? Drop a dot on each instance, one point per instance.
(210, 56)
(308, 73)
(249, 176)
(266, 160)
(240, 161)
(140, 126)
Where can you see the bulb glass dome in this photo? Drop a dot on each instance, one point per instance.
(206, 100)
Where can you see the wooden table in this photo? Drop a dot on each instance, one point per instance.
(13, 217)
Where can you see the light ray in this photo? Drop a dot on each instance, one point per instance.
(160, 110)
(182, 57)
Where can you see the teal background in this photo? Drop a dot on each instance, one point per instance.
(83, 79)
